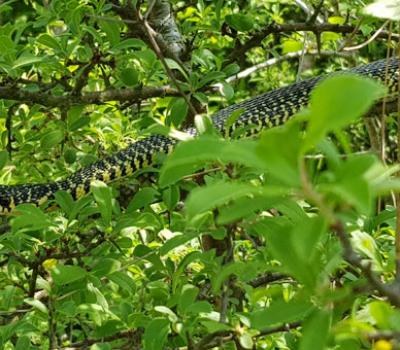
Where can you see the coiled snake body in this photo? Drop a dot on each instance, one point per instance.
(267, 110)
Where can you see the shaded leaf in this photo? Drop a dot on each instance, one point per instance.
(240, 22)
(280, 312)
(316, 331)
(331, 108)
(66, 274)
(155, 334)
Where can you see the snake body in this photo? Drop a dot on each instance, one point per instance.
(264, 111)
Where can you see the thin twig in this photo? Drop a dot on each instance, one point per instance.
(383, 118)
(367, 42)
(202, 173)
(276, 60)
(51, 325)
(308, 11)
(283, 328)
(274, 28)
(266, 279)
(316, 13)
(86, 343)
(383, 335)
(350, 37)
(397, 237)
(301, 58)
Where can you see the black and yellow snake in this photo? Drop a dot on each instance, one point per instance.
(267, 110)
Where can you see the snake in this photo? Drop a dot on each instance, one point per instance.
(270, 109)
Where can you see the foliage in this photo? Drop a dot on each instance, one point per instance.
(272, 243)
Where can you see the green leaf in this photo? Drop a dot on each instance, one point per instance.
(227, 91)
(246, 341)
(109, 328)
(6, 44)
(65, 201)
(74, 19)
(280, 312)
(382, 313)
(123, 281)
(166, 311)
(178, 111)
(155, 334)
(243, 207)
(105, 267)
(37, 304)
(78, 123)
(143, 198)
(337, 20)
(75, 116)
(240, 22)
(102, 195)
(316, 331)
(69, 155)
(220, 193)
(215, 326)
(188, 297)
(26, 60)
(67, 274)
(3, 159)
(192, 155)
(231, 120)
(23, 343)
(234, 268)
(104, 346)
(351, 185)
(211, 76)
(231, 69)
(30, 218)
(198, 307)
(174, 65)
(171, 197)
(294, 244)
(51, 138)
(49, 41)
(129, 76)
(148, 254)
(331, 108)
(177, 241)
(111, 27)
(79, 205)
(306, 235)
(291, 45)
(282, 162)
(128, 43)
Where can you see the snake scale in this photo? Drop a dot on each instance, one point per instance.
(264, 111)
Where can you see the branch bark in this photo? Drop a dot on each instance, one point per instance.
(390, 291)
(15, 93)
(317, 29)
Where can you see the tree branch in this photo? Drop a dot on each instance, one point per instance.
(283, 328)
(266, 279)
(87, 342)
(391, 291)
(275, 60)
(15, 93)
(275, 28)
